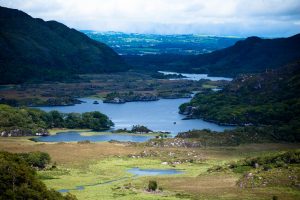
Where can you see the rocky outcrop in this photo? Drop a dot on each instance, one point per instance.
(174, 142)
(23, 132)
(115, 100)
(189, 111)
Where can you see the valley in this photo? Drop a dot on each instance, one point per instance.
(91, 164)
(88, 115)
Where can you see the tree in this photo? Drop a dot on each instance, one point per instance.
(36, 159)
(19, 181)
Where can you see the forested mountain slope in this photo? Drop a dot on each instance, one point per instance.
(271, 98)
(35, 49)
(251, 55)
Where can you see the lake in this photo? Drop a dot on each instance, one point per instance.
(196, 77)
(161, 115)
(75, 136)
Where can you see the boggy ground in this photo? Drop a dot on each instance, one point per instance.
(96, 163)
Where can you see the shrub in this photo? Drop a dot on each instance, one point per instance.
(84, 142)
(36, 159)
(142, 129)
(275, 198)
(152, 186)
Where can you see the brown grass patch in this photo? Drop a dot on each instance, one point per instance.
(68, 153)
(208, 184)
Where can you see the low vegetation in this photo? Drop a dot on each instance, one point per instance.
(237, 136)
(274, 170)
(92, 164)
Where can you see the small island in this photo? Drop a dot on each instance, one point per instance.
(143, 130)
(119, 98)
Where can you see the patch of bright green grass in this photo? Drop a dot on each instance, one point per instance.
(113, 169)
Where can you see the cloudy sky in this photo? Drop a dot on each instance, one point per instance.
(267, 18)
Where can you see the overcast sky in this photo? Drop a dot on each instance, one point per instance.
(267, 18)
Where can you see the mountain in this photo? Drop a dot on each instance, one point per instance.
(271, 98)
(251, 55)
(33, 49)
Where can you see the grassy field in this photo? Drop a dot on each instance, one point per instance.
(93, 165)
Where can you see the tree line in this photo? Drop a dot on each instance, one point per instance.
(35, 120)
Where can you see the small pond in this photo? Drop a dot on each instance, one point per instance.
(153, 172)
(136, 172)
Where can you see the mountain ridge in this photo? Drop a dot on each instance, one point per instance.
(34, 49)
(252, 55)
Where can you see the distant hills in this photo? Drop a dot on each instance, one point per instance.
(157, 44)
(252, 55)
(33, 49)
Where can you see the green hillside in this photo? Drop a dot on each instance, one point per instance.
(268, 99)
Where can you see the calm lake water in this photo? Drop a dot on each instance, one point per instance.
(74, 136)
(196, 77)
(161, 115)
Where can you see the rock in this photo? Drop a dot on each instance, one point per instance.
(123, 98)
(95, 102)
(21, 132)
(115, 100)
(249, 175)
(164, 163)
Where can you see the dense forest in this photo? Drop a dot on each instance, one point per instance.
(37, 50)
(29, 121)
(270, 98)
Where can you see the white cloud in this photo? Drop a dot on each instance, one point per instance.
(219, 17)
